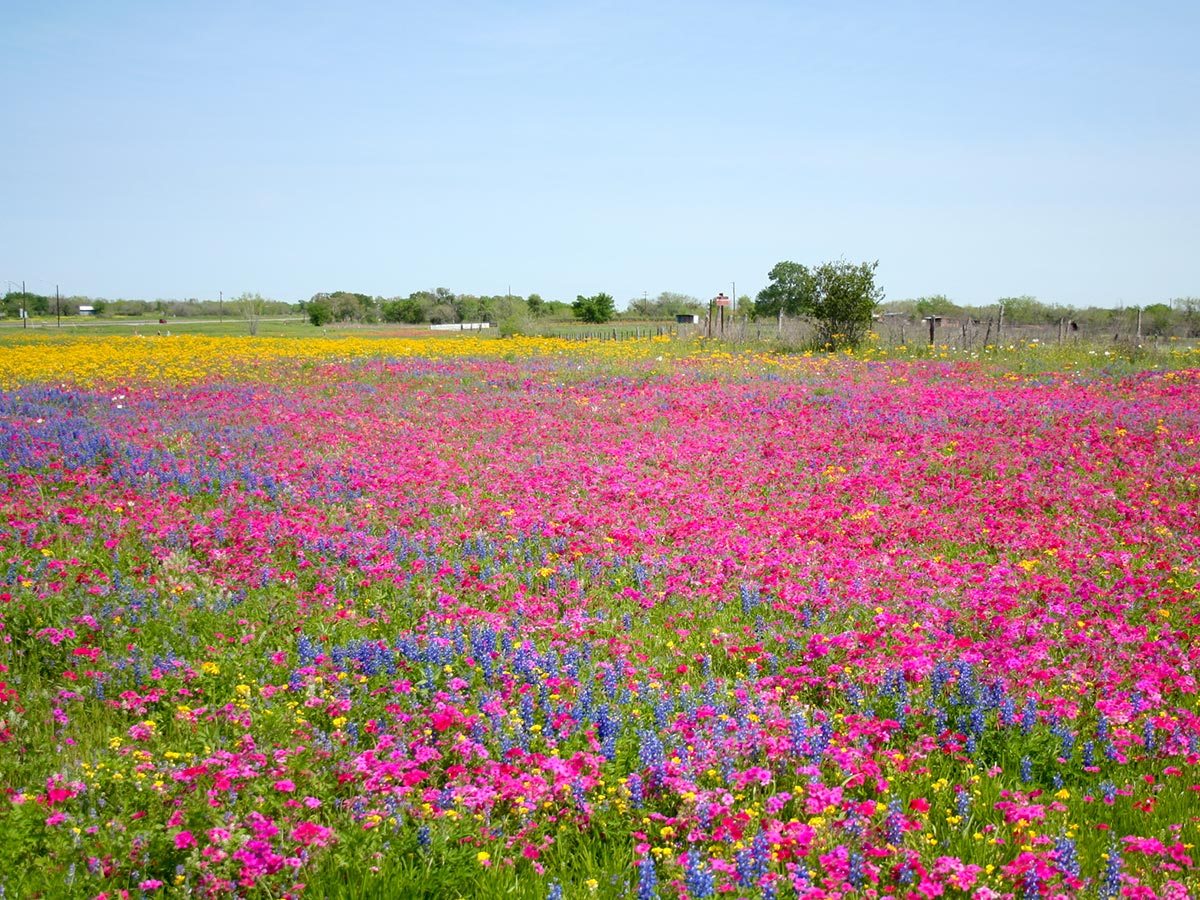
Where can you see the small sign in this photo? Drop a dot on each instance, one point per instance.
(721, 300)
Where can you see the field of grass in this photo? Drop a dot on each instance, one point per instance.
(347, 614)
(76, 326)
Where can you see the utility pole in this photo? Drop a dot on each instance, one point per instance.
(24, 306)
(58, 306)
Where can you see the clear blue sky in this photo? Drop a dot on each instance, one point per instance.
(163, 149)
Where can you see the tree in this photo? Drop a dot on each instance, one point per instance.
(1158, 318)
(1189, 309)
(843, 301)
(535, 304)
(1027, 310)
(252, 307)
(594, 310)
(404, 309)
(468, 308)
(320, 311)
(839, 297)
(936, 305)
(33, 304)
(790, 290)
(667, 305)
(441, 313)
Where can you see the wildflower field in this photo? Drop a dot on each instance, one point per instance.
(520, 618)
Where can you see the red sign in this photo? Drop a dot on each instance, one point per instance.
(721, 300)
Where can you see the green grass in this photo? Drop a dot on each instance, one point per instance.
(290, 326)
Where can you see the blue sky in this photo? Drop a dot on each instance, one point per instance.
(159, 149)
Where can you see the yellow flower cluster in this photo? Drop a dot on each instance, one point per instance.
(181, 359)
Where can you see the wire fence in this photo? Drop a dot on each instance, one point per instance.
(893, 331)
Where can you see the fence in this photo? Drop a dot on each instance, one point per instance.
(892, 331)
(461, 326)
(615, 332)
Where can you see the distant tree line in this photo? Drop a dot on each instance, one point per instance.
(1179, 317)
(439, 306)
(47, 305)
(43, 305)
(840, 298)
(666, 305)
(508, 311)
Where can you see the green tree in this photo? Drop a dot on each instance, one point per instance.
(511, 312)
(350, 306)
(1025, 310)
(468, 308)
(441, 314)
(404, 309)
(791, 290)
(320, 310)
(535, 304)
(33, 304)
(667, 305)
(935, 305)
(839, 297)
(843, 302)
(1189, 309)
(594, 310)
(1157, 318)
